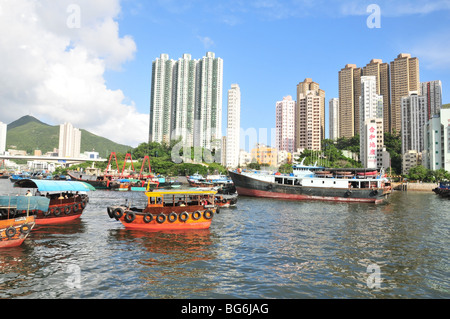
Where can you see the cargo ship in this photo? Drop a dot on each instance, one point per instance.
(315, 183)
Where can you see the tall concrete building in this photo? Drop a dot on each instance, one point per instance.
(208, 112)
(310, 115)
(380, 70)
(183, 100)
(349, 92)
(3, 132)
(432, 91)
(285, 124)
(161, 100)
(233, 126)
(371, 123)
(436, 154)
(404, 79)
(186, 100)
(414, 117)
(333, 115)
(69, 141)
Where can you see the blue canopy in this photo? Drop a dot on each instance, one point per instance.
(54, 186)
(25, 202)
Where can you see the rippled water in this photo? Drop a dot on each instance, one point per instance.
(263, 248)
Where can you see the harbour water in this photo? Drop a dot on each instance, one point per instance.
(262, 248)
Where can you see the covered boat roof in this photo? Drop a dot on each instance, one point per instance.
(54, 186)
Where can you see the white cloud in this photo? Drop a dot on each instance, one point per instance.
(207, 41)
(56, 72)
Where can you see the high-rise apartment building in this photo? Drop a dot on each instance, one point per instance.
(349, 91)
(183, 101)
(69, 141)
(371, 123)
(3, 132)
(233, 126)
(436, 154)
(285, 124)
(404, 79)
(310, 115)
(208, 113)
(333, 114)
(161, 100)
(414, 117)
(186, 100)
(432, 91)
(380, 70)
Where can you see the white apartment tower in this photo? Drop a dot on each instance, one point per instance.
(69, 141)
(186, 100)
(3, 131)
(233, 126)
(436, 153)
(183, 105)
(208, 113)
(414, 117)
(161, 100)
(370, 123)
(333, 109)
(285, 124)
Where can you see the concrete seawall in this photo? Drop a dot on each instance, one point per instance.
(418, 187)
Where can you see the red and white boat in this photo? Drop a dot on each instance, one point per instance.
(68, 199)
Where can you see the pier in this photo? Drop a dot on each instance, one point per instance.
(418, 187)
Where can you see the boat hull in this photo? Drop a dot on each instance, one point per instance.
(248, 186)
(61, 211)
(162, 221)
(13, 232)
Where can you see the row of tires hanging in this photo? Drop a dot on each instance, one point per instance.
(130, 216)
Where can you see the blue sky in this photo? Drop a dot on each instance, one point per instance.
(268, 47)
(100, 73)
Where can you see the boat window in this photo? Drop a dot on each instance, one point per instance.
(278, 180)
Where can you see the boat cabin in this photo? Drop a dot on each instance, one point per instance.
(181, 198)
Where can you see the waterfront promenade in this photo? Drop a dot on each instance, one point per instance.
(416, 186)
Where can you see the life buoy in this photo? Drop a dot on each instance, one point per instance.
(224, 200)
(173, 217)
(348, 193)
(117, 213)
(67, 210)
(10, 232)
(25, 229)
(57, 211)
(161, 218)
(83, 204)
(208, 214)
(148, 218)
(184, 216)
(75, 208)
(196, 215)
(47, 212)
(130, 216)
(109, 210)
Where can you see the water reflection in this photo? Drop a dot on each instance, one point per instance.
(263, 248)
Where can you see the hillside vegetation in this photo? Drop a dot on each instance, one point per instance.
(30, 134)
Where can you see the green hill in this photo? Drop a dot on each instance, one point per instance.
(29, 134)
(446, 106)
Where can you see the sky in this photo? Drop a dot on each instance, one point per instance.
(89, 62)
